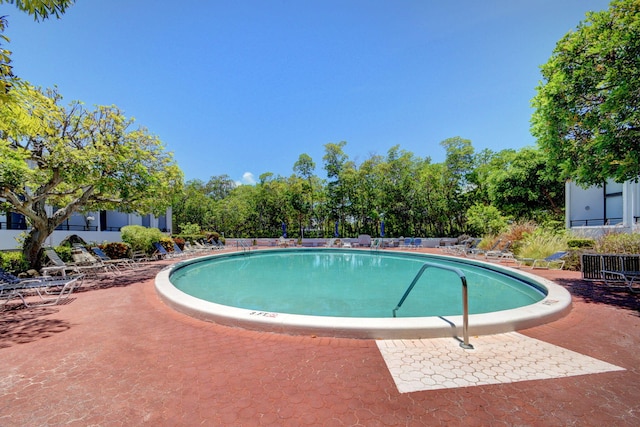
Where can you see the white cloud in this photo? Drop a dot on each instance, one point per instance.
(247, 179)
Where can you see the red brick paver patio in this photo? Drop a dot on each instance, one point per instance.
(117, 356)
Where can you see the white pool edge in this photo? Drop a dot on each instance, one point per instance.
(554, 306)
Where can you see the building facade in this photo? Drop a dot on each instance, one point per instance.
(99, 227)
(593, 211)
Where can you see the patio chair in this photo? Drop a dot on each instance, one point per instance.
(160, 251)
(503, 253)
(49, 290)
(56, 265)
(90, 264)
(552, 259)
(417, 242)
(119, 262)
(622, 273)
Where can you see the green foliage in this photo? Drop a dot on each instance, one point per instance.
(576, 243)
(190, 228)
(483, 219)
(64, 252)
(618, 243)
(542, 243)
(586, 117)
(41, 9)
(77, 160)
(13, 262)
(141, 238)
(116, 250)
(167, 243)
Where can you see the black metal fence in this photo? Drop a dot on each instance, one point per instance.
(594, 264)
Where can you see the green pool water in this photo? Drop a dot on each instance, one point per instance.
(348, 283)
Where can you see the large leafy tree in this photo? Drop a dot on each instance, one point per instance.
(74, 159)
(587, 114)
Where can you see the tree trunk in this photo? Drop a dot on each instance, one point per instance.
(32, 246)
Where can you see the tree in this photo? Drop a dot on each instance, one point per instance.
(520, 185)
(587, 117)
(56, 161)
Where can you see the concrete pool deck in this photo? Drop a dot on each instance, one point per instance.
(117, 355)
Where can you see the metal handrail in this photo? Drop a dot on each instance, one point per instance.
(465, 299)
(243, 244)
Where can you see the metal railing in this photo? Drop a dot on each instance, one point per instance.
(465, 299)
(243, 244)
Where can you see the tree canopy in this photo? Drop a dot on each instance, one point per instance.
(467, 193)
(587, 109)
(74, 159)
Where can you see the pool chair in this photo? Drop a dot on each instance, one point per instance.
(48, 290)
(119, 262)
(500, 254)
(407, 242)
(417, 242)
(552, 260)
(330, 243)
(160, 251)
(56, 266)
(177, 252)
(90, 264)
(626, 270)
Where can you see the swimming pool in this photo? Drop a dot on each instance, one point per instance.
(353, 293)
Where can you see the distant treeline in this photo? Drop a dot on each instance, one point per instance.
(469, 193)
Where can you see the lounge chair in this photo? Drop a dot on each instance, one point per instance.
(90, 264)
(119, 262)
(50, 290)
(375, 243)
(553, 259)
(407, 243)
(630, 275)
(160, 251)
(57, 266)
(417, 242)
(501, 254)
(330, 243)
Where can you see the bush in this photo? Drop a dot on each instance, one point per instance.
(13, 262)
(542, 243)
(581, 243)
(189, 228)
(167, 243)
(116, 250)
(180, 242)
(484, 219)
(141, 238)
(621, 243)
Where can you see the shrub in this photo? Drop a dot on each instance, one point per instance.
(618, 243)
(179, 241)
(167, 243)
(581, 243)
(141, 238)
(483, 219)
(542, 243)
(116, 250)
(13, 262)
(189, 228)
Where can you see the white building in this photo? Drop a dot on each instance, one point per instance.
(99, 227)
(593, 211)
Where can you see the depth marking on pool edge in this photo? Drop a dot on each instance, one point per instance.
(263, 314)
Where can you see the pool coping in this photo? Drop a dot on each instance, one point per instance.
(555, 305)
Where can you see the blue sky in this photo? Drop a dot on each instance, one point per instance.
(244, 87)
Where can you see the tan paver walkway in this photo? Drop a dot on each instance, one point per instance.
(117, 356)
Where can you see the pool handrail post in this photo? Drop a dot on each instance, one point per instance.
(465, 299)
